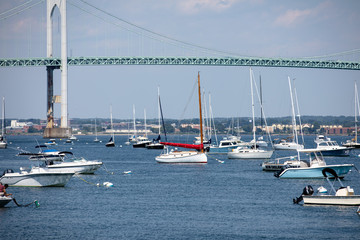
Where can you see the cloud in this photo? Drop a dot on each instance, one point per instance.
(195, 6)
(292, 17)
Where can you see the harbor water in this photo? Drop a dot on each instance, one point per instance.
(230, 200)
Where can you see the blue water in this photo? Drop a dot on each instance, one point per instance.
(233, 200)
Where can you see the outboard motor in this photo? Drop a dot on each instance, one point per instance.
(277, 174)
(308, 190)
(8, 171)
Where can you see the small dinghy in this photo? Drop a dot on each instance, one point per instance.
(342, 196)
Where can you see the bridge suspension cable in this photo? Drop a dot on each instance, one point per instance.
(151, 34)
(19, 11)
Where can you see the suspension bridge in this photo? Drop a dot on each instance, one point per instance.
(215, 58)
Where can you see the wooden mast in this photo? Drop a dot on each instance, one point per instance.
(201, 126)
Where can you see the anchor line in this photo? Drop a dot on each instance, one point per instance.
(86, 181)
(25, 205)
(220, 161)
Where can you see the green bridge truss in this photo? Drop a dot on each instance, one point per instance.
(206, 61)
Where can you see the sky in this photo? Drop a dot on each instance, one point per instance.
(255, 28)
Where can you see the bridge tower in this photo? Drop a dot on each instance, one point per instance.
(64, 130)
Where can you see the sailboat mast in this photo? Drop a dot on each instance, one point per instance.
(261, 104)
(201, 125)
(112, 127)
(145, 122)
(3, 117)
(159, 110)
(252, 107)
(356, 106)
(293, 112)
(134, 120)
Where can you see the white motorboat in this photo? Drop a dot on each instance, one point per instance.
(329, 147)
(3, 142)
(341, 196)
(313, 167)
(76, 165)
(142, 142)
(250, 152)
(5, 200)
(175, 156)
(51, 142)
(36, 177)
(73, 138)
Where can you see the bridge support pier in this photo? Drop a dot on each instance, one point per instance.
(64, 130)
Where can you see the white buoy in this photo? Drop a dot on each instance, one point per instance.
(108, 184)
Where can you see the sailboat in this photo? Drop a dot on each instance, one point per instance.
(353, 142)
(156, 142)
(175, 156)
(111, 142)
(250, 152)
(3, 143)
(285, 144)
(96, 138)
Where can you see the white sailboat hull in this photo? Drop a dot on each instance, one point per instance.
(288, 146)
(182, 157)
(249, 154)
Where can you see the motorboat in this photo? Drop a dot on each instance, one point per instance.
(51, 142)
(142, 142)
(329, 147)
(3, 142)
(313, 167)
(36, 177)
(45, 153)
(224, 146)
(279, 163)
(73, 138)
(76, 165)
(176, 156)
(5, 200)
(342, 196)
